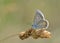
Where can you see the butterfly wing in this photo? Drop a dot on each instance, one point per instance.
(38, 17)
(40, 21)
(43, 24)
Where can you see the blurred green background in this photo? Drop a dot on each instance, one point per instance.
(17, 16)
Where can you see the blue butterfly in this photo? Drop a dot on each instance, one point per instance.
(39, 21)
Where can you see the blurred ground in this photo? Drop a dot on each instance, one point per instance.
(17, 16)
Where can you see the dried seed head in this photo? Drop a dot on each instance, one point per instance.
(23, 35)
(42, 33)
(26, 34)
(45, 34)
(39, 33)
(34, 35)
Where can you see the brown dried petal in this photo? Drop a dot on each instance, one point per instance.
(23, 35)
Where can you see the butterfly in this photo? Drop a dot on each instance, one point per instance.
(40, 21)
